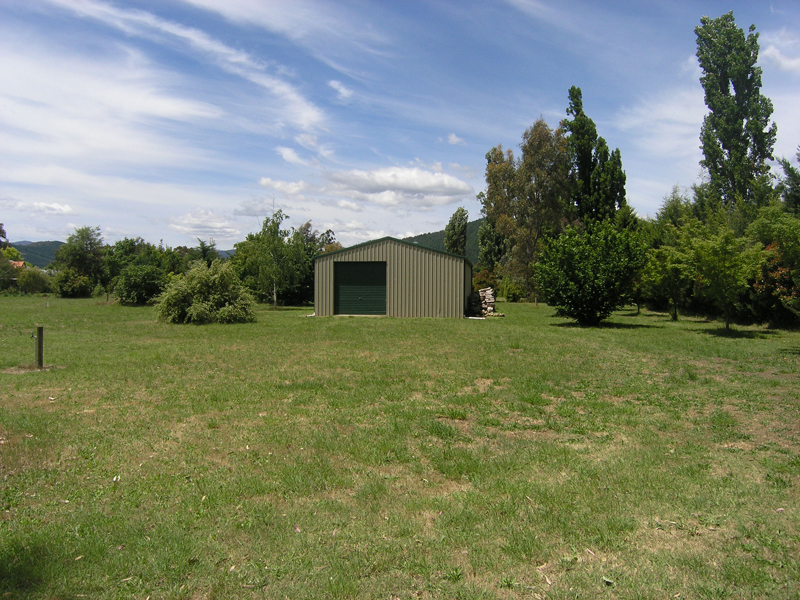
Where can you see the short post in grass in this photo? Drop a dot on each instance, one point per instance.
(39, 347)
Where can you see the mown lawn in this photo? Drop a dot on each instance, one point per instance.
(384, 458)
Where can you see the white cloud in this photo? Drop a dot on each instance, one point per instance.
(667, 125)
(290, 188)
(400, 186)
(53, 208)
(204, 224)
(785, 63)
(344, 93)
(36, 208)
(455, 140)
(333, 33)
(290, 156)
(348, 205)
(295, 108)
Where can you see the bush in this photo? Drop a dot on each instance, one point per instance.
(587, 275)
(33, 281)
(139, 284)
(7, 273)
(483, 279)
(206, 294)
(69, 283)
(513, 293)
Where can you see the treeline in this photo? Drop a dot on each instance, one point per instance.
(275, 265)
(558, 227)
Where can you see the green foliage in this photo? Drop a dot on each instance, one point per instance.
(206, 294)
(667, 278)
(525, 201)
(492, 245)
(31, 280)
(313, 243)
(139, 284)
(587, 274)
(273, 261)
(597, 177)
(81, 257)
(7, 273)
(455, 233)
(3, 238)
(11, 253)
(724, 264)
(71, 283)
(483, 279)
(435, 240)
(789, 186)
(737, 138)
(777, 286)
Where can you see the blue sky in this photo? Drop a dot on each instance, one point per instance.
(173, 120)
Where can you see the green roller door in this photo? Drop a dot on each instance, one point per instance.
(359, 288)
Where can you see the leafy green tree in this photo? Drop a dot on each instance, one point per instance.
(7, 273)
(139, 284)
(724, 264)
(455, 233)
(31, 280)
(737, 138)
(3, 238)
(11, 253)
(777, 286)
(789, 187)
(588, 274)
(313, 244)
(206, 251)
(272, 261)
(492, 246)
(598, 178)
(206, 294)
(71, 283)
(668, 277)
(526, 201)
(81, 257)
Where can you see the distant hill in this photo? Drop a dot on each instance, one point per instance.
(39, 254)
(435, 240)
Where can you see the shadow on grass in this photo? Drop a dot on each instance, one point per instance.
(605, 325)
(793, 351)
(739, 334)
(23, 567)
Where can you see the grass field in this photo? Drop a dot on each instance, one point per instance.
(396, 458)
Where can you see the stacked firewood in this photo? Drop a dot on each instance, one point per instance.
(487, 303)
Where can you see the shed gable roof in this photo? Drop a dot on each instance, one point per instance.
(394, 240)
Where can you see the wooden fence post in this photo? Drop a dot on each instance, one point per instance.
(39, 347)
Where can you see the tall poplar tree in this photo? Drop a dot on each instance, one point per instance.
(737, 137)
(598, 178)
(455, 234)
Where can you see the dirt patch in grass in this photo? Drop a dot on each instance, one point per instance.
(24, 369)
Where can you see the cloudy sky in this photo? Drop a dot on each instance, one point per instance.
(182, 119)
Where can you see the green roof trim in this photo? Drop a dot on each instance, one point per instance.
(391, 239)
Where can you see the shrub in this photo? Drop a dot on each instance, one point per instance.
(139, 284)
(483, 279)
(588, 274)
(69, 283)
(33, 281)
(513, 293)
(7, 273)
(206, 294)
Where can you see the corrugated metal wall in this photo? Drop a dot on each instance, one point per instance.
(419, 282)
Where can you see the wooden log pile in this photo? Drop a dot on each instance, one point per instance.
(487, 303)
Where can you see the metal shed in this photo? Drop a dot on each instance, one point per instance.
(393, 278)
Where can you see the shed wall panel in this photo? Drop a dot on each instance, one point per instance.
(419, 282)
